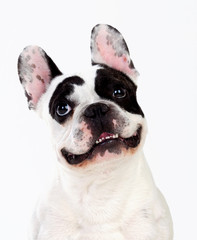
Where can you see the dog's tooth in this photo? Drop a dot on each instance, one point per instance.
(135, 134)
(106, 138)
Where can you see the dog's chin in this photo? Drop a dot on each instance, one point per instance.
(106, 145)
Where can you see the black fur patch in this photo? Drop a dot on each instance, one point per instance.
(108, 80)
(62, 91)
(52, 66)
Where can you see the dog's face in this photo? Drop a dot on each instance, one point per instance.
(94, 116)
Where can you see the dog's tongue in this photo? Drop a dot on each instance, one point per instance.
(105, 134)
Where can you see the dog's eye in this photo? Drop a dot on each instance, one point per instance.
(63, 109)
(119, 93)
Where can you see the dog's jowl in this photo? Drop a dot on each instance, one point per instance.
(103, 189)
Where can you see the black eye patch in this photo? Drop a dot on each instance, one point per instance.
(113, 85)
(60, 98)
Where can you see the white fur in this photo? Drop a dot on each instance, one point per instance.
(112, 199)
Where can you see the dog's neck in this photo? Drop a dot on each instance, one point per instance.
(101, 173)
(104, 187)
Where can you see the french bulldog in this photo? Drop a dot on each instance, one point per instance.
(103, 189)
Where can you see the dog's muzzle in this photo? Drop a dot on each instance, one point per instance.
(99, 118)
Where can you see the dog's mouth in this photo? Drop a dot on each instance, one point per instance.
(106, 141)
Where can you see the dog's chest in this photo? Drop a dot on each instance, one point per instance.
(98, 213)
(69, 228)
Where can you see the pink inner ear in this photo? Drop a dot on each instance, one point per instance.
(37, 74)
(115, 57)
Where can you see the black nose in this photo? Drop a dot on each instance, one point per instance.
(96, 110)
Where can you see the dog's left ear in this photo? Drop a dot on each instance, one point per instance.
(36, 70)
(108, 47)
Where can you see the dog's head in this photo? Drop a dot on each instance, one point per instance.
(94, 116)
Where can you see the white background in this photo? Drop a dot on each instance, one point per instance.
(162, 38)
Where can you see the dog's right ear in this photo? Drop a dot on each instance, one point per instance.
(36, 70)
(108, 47)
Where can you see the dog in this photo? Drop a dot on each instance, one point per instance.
(104, 188)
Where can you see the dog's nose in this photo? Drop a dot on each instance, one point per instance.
(96, 110)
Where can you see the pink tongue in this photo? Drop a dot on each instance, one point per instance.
(105, 134)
